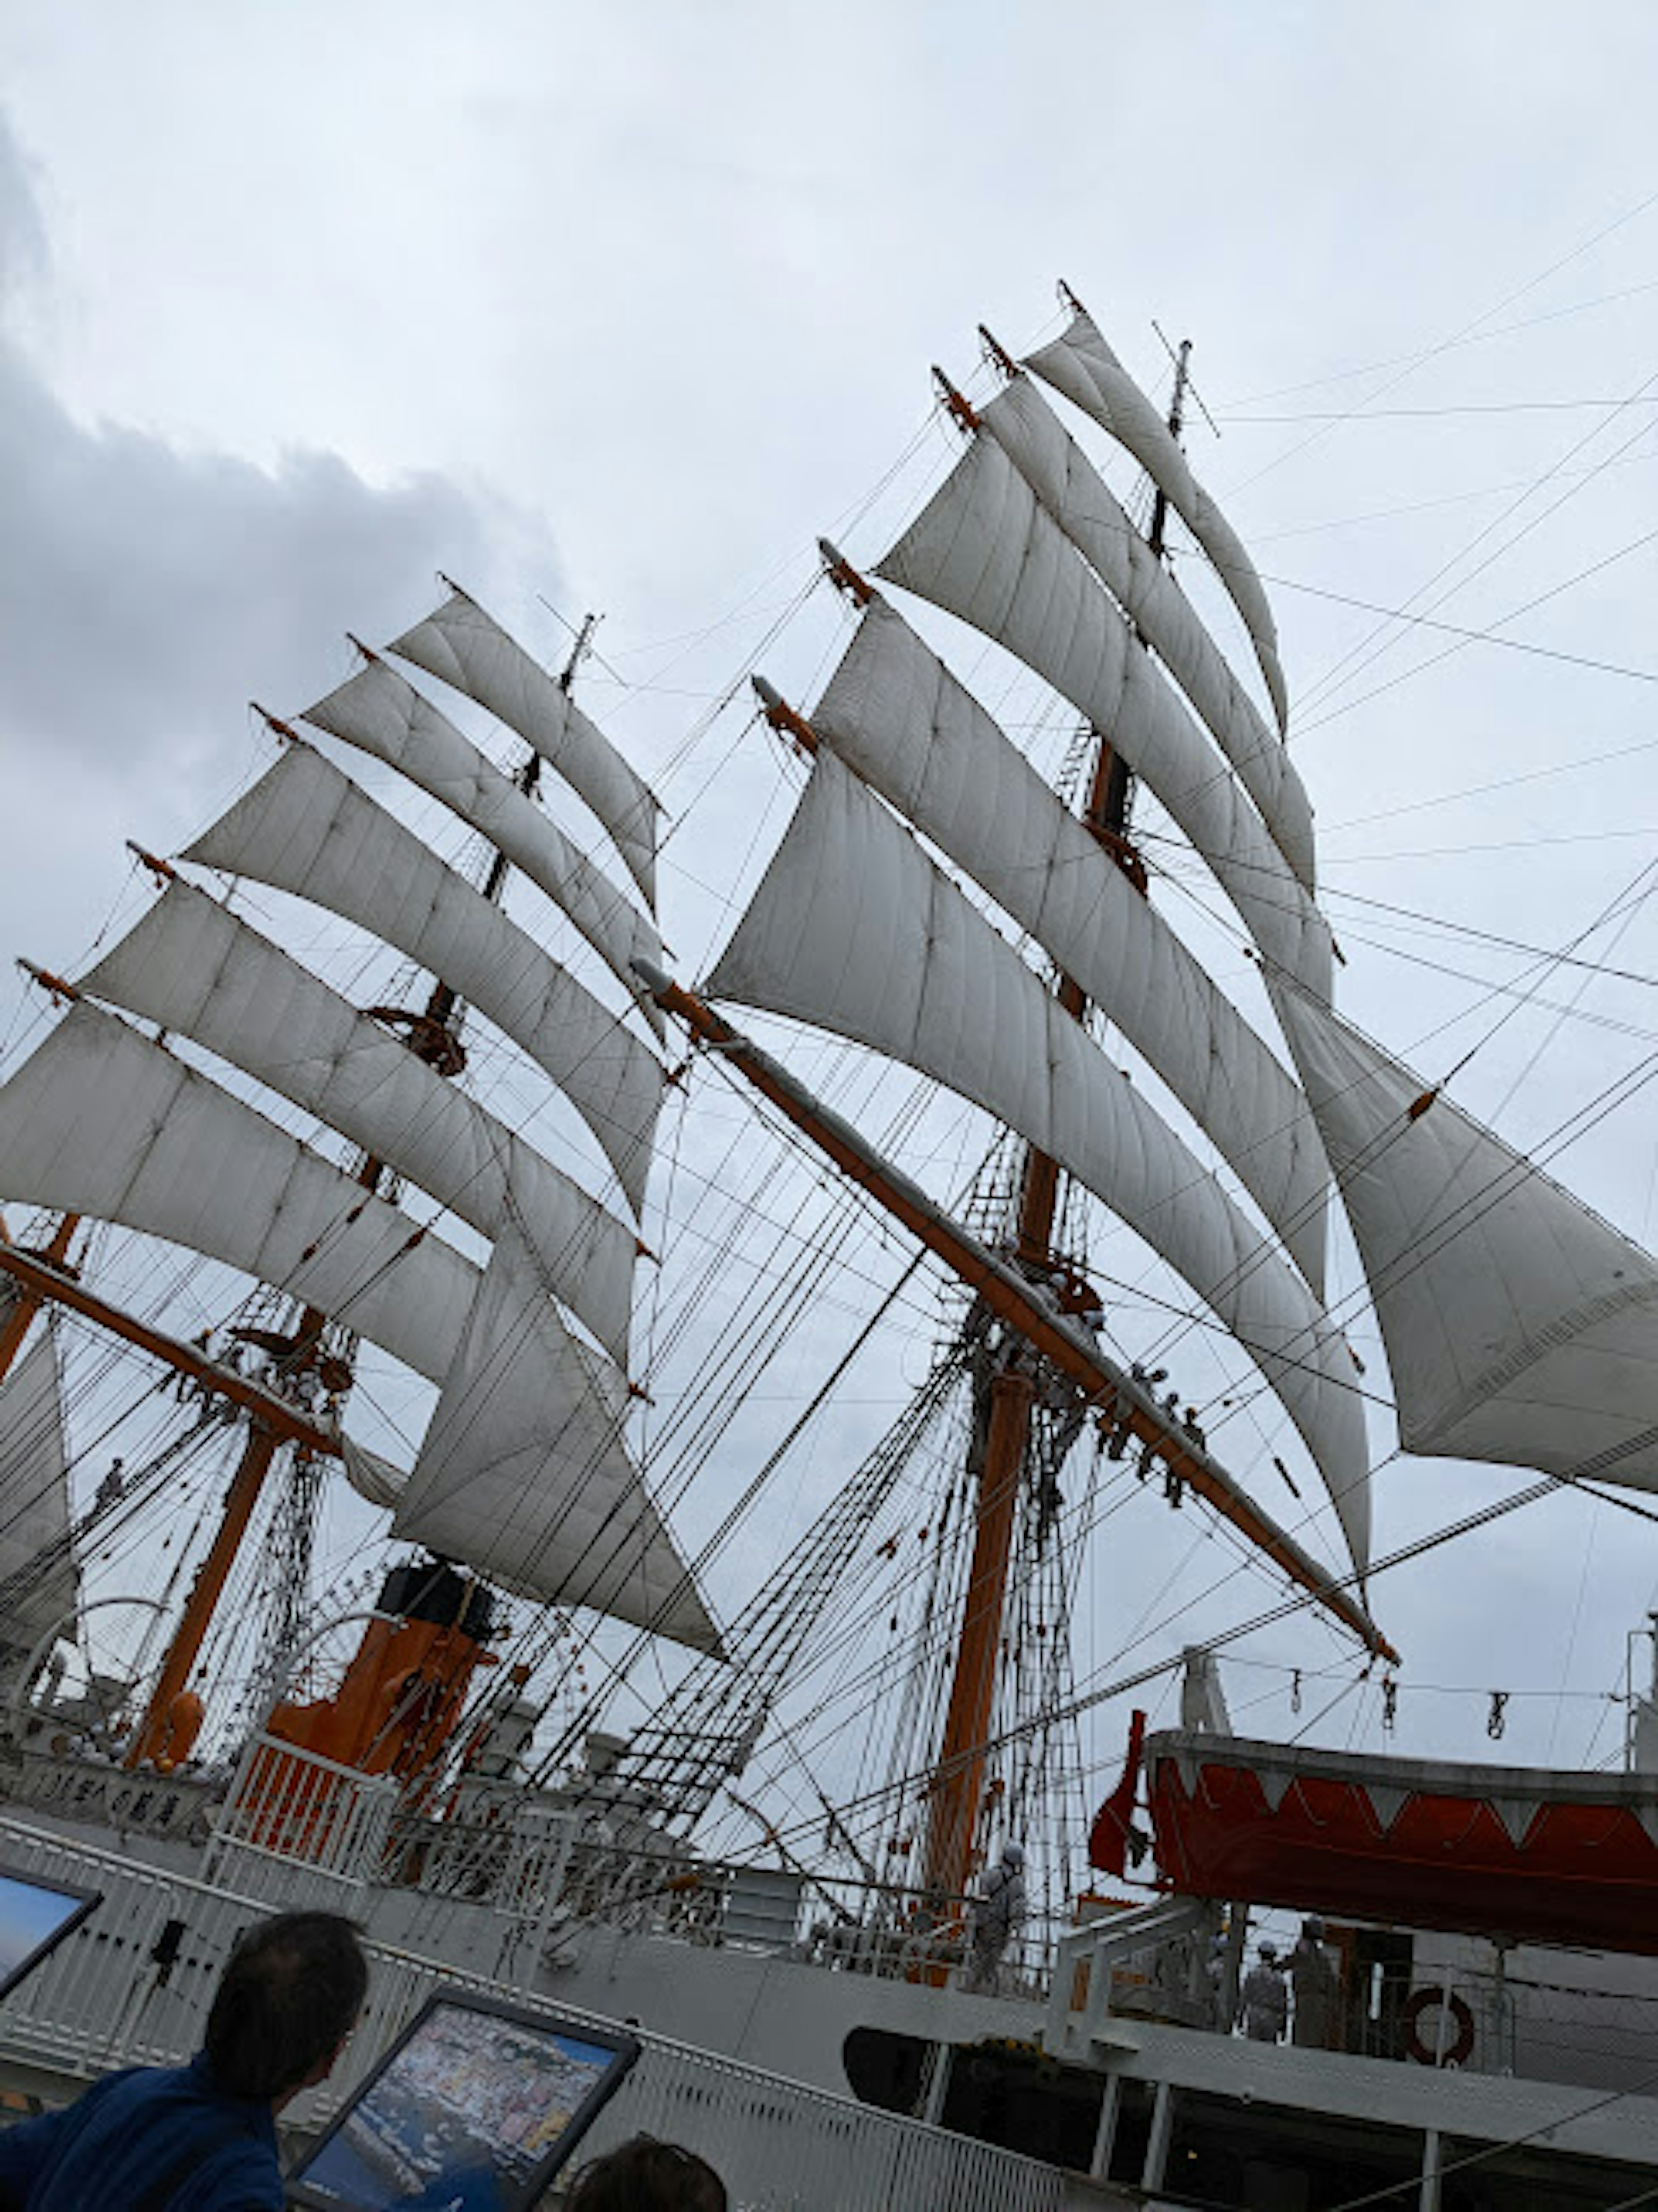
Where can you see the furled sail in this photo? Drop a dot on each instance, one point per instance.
(100, 1120)
(1080, 364)
(894, 713)
(985, 549)
(1081, 502)
(191, 965)
(461, 645)
(307, 829)
(1519, 1327)
(523, 1473)
(382, 713)
(37, 1574)
(854, 930)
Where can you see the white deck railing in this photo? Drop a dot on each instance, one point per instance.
(132, 1986)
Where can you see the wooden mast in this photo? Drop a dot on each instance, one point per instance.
(1014, 1299)
(956, 1791)
(24, 1304)
(168, 1726)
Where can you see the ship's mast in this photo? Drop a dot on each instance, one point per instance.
(23, 1305)
(956, 1789)
(432, 1035)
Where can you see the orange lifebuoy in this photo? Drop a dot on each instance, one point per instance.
(1456, 2053)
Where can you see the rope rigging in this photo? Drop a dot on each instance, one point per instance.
(799, 1249)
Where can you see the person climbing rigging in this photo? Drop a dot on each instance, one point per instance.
(992, 1917)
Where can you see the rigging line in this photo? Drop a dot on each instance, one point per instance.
(732, 1519)
(934, 1637)
(1490, 1194)
(1543, 958)
(1476, 407)
(1362, 656)
(1248, 1563)
(850, 1632)
(1631, 907)
(1482, 636)
(1503, 330)
(1468, 331)
(1421, 505)
(848, 519)
(1468, 930)
(1287, 1607)
(1492, 845)
(1544, 966)
(1609, 1024)
(1572, 767)
(1395, 2188)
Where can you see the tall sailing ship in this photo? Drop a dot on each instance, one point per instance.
(393, 1210)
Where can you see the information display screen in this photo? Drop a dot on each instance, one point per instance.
(35, 1916)
(473, 2110)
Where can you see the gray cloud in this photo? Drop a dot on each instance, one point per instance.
(147, 592)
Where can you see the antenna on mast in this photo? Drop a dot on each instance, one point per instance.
(1177, 421)
(579, 651)
(1183, 381)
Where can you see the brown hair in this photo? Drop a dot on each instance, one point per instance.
(647, 2176)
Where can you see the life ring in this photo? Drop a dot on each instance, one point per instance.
(1456, 2053)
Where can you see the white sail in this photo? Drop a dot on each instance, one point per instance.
(894, 713)
(38, 1572)
(463, 647)
(191, 966)
(372, 1477)
(1519, 1327)
(382, 713)
(1081, 502)
(100, 1120)
(307, 829)
(985, 549)
(523, 1473)
(1080, 364)
(854, 930)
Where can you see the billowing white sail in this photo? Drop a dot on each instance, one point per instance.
(38, 1572)
(384, 715)
(985, 549)
(98, 1120)
(854, 930)
(307, 829)
(894, 713)
(1080, 364)
(1519, 1327)
(523, 1473)
(1080, 501)
(463, 646)
(191, 965)
(371, 1476)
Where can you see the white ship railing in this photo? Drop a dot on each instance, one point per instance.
(133, 1985)
(1159, 1946)
(297, 1829)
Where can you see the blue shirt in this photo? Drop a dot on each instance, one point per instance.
(149, 2131)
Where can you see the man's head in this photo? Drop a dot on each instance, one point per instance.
(647, 2176)
(290, 1993)
(1012, 1855)
(1268, 1953)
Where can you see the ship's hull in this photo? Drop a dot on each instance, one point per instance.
(1527, 1853)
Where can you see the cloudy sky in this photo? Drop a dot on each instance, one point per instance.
(614, 309)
